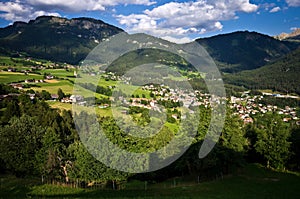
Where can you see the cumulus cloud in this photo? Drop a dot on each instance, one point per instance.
(294, 28)
(181, 40)
(84, 5)
(184, 18)
(25, 10)
(15, 11)
(293, 3)
(275, 9)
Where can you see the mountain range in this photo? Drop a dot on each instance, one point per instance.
(54, 38)
(245, 50)
(70, 40)
(243, 54)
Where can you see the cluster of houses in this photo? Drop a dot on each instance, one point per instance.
(34, 81)
(20, 86)
(187, 98)
(248, 106)
(78, 99)
(11, 96)
(163, 93)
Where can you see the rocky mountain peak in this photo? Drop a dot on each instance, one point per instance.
(284, 35)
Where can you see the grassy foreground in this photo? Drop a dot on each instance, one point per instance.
(252, 181)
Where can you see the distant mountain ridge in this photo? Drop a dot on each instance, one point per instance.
(245, 50)
(282, 75)
(70, 40)
(56, 38)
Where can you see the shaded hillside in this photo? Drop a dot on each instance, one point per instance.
(55, 38)
(245, 50)
(282, 75)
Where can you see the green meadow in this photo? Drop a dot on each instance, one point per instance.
(60, 105)
(52, 86)
(61, 73)
(11, 77)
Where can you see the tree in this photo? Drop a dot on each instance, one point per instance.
(294, 162)
(51, 155)
(86, 168)
(272, 140)
(45, 95)
(233, 134)
(232, 143)
(22, 139)
(12, 109)
(60, 94)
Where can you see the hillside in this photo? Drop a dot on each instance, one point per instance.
(55, 38)
(282, 75)
(245, 50)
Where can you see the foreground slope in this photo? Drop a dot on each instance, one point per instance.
(253, 181)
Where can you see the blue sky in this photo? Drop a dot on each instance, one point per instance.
(174, 20)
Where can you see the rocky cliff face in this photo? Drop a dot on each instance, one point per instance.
(292, 35)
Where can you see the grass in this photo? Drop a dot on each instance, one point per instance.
(7, 61)
(10, 77)
(253, 181)
(21, 62)
(61, 73)
(96, 80)
(53, 86)
(104, 83)
(130, 90)
(104, 112)
(60, 105)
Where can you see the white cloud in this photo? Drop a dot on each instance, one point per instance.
(275, 9)
(181, 40)
(293, 3)
(84, 5)
(267, 6)
(15, 11)
(175, 19)
(294, 28)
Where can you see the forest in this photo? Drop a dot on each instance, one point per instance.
(280, 75)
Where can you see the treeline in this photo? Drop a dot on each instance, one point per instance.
(280, 102)
(39, 141)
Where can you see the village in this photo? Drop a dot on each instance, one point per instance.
(246, 106)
